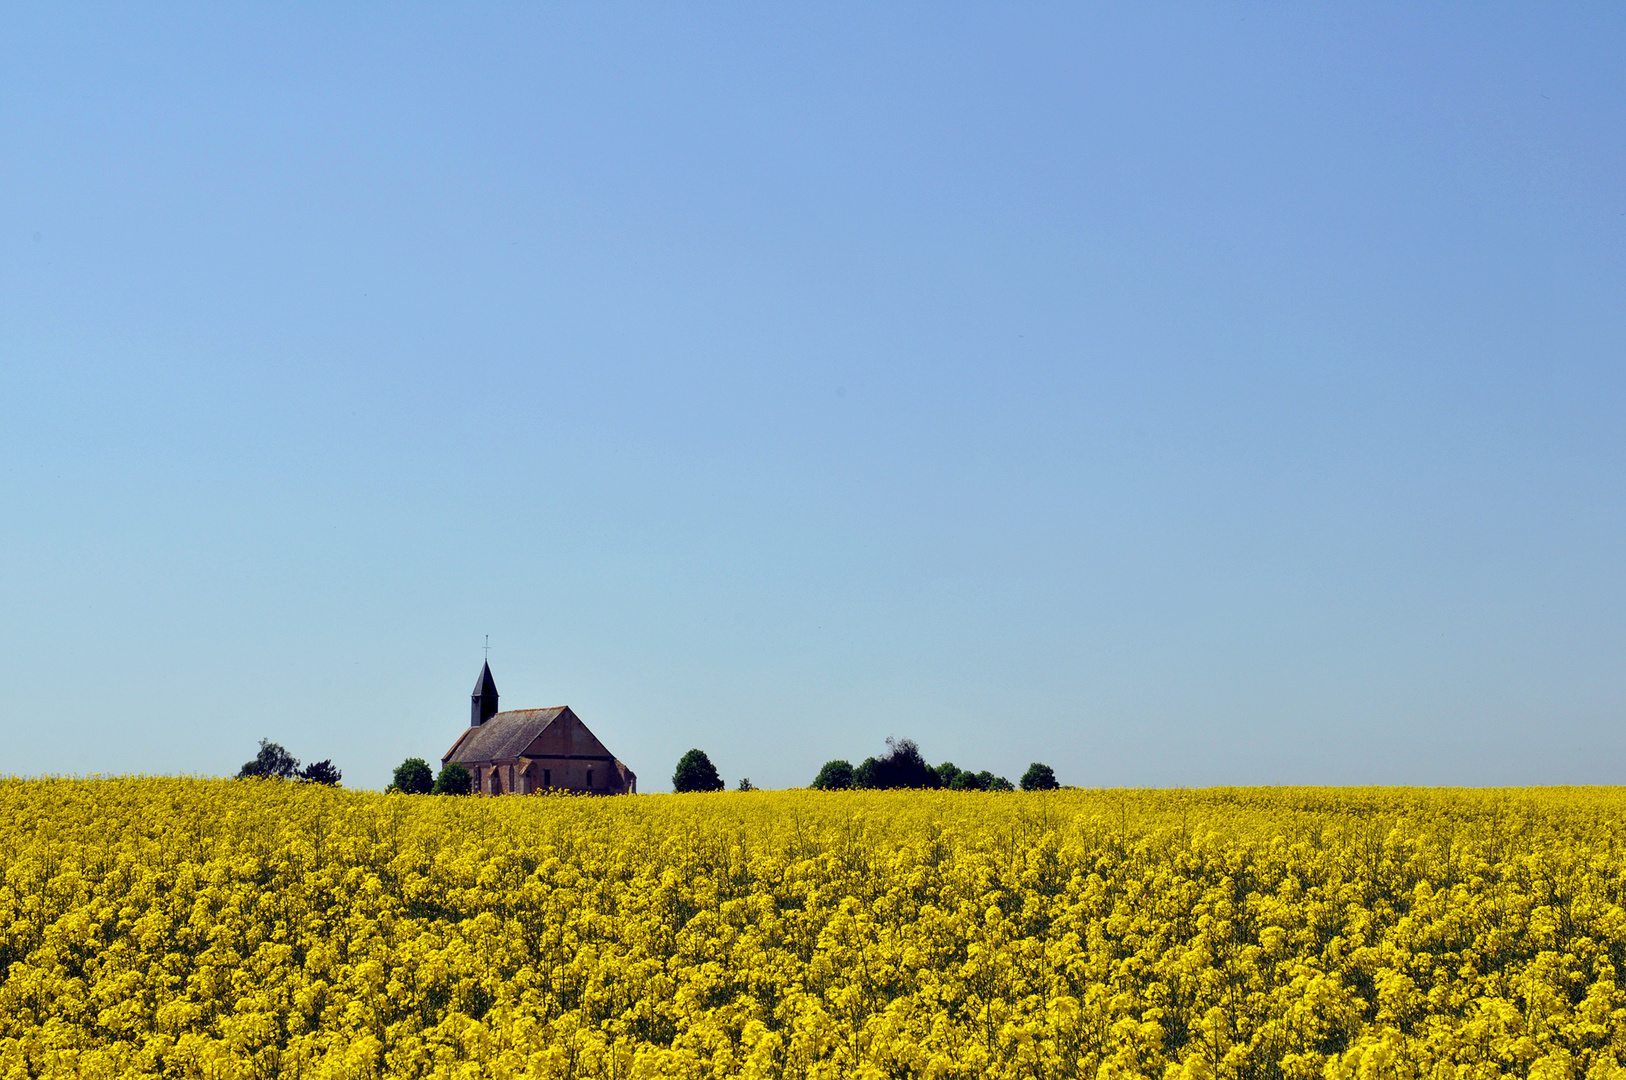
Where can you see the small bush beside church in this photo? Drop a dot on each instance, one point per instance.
(454, 779)
(412, 777)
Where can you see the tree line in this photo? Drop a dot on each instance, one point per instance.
(902, 766)
(412, 777)
(275, 763)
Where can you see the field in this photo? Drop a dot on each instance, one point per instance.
(260, 928)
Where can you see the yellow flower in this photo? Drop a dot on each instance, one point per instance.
(207, 928)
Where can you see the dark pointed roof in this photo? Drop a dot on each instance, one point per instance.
(485, 684)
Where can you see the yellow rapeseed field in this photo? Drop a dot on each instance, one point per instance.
(262, 928)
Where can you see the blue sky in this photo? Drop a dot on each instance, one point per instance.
(1176, 395)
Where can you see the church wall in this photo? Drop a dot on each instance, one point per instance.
(558, 773)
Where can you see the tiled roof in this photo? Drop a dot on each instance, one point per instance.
(505, 735)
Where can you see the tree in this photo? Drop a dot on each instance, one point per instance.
(1039, 777)
(321, 772)
(745, 784)
(695, 772)
(966, 780)
(946, 774)
(272, 762)
(903, 767)
(412, 777)
(834, 776)
(867, 773)
(454, 779)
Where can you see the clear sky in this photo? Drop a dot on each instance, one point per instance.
(1212, 394)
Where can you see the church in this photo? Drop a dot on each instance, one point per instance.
(526, 751)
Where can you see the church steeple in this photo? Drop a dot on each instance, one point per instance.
(483, 702)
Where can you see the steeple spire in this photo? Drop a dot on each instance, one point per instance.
(483, 702)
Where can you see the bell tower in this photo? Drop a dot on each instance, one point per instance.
(483, 702)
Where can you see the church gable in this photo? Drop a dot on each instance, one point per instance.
(567, 737)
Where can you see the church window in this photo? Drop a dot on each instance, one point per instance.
(589, 777)
(547, 777)
(510, 778)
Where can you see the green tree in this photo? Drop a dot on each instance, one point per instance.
(454, 779)
(866, 775)
(745, 784)
(1039, 777)
(272, 761)
(834, 776)
(903, 767)
(967, 780)
(412, 777)
(695, 772)
(946, 773)
(321, 772)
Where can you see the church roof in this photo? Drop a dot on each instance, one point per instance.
(505, 735)
(485, 684)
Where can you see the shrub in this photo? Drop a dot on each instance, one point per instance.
(1039, 777)
(695, 772)
(834, 776)
(745, 784)
(321, 772)
(412, 777)
(454, 779)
